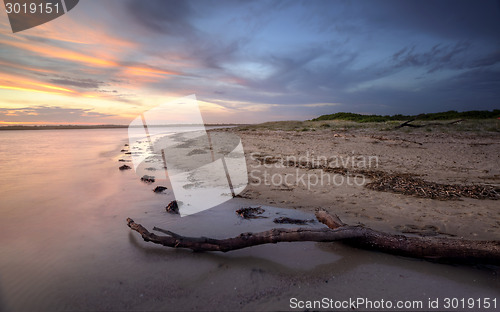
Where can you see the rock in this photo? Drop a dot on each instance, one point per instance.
(148, 179)
(159, 189)
(251, 212)
(123, 150)
(172, 207)
(125, 167)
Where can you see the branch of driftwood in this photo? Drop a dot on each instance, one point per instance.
(408, 124)
(432, 248)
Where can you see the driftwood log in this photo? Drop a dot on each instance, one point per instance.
(431, 248)
(408, 124)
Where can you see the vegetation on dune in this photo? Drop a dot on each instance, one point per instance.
(427, 125)
(449, 115)
(361, 118)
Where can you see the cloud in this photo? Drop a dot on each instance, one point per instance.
(482, 83)
(165, 17)
(281, 57)
(55, 52)
(444, 19)
(80, 83)
(440, 56)
(488, 60)
(51, 114)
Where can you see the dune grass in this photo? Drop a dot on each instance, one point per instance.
(472, 125)
(449, 115)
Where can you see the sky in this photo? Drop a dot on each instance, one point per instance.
(106, 62)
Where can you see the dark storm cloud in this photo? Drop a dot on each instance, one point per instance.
(355, 49)
(453, 19)
(488, 60)
(176, 21)
(438, 57)
(479, 81)
(166, 17)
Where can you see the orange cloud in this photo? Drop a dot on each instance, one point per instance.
(60, 53)
(143, 75)
(21, 83)
(86, 34)
(47, 123)
(148, 71)
(69, 55)
(103, 53)
(18, 66)
(12, 82)
(27, 89)
(55, 88)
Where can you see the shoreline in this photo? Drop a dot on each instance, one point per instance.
(100, 264)
(77, 127)
(268, 276)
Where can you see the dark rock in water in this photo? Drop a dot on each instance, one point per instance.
(124, 150)
(172, 207)
(126, 144)
(251, 212)
(125, 167)
(286, 220)
(148, 179)
(159, 189)
(122, 160)
(128, 153)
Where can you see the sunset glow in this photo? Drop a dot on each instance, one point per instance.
(119, 59)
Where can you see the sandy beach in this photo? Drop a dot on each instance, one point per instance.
(87, 259)
(441, 155)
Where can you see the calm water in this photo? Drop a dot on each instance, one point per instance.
(65, 244)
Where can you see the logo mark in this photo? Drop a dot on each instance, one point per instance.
(26, 14)
(205, 169)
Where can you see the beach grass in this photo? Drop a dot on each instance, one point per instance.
(471, 125)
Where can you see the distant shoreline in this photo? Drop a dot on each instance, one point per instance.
(70, 127)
